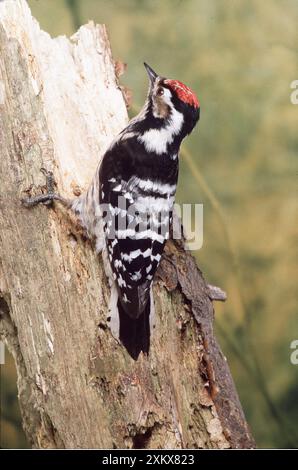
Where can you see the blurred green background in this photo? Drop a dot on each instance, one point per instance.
(240, 57)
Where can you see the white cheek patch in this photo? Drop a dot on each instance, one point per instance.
(157, 140)
(167, 97)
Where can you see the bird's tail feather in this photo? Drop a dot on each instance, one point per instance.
(134, 333)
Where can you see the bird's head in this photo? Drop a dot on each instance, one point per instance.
(166, 95)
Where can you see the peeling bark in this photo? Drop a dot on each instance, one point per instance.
(60, 106)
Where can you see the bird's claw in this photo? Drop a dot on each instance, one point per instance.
(47, 198)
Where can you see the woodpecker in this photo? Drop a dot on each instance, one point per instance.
(128, 206)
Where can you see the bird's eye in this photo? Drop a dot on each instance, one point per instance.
(160, 91)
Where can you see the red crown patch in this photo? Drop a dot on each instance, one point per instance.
(183, 92)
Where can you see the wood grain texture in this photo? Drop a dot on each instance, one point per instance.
(60, 106)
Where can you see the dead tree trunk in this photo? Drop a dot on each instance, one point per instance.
(60, 105)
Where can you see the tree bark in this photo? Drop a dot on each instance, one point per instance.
(60, 105)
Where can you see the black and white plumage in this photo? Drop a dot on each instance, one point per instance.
(128, 207)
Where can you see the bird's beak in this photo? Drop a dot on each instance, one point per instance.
(151, 74)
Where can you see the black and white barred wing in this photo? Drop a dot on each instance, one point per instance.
(136, 222)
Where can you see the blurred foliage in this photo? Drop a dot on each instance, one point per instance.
(240, 163)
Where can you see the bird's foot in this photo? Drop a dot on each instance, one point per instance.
(48, 197)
